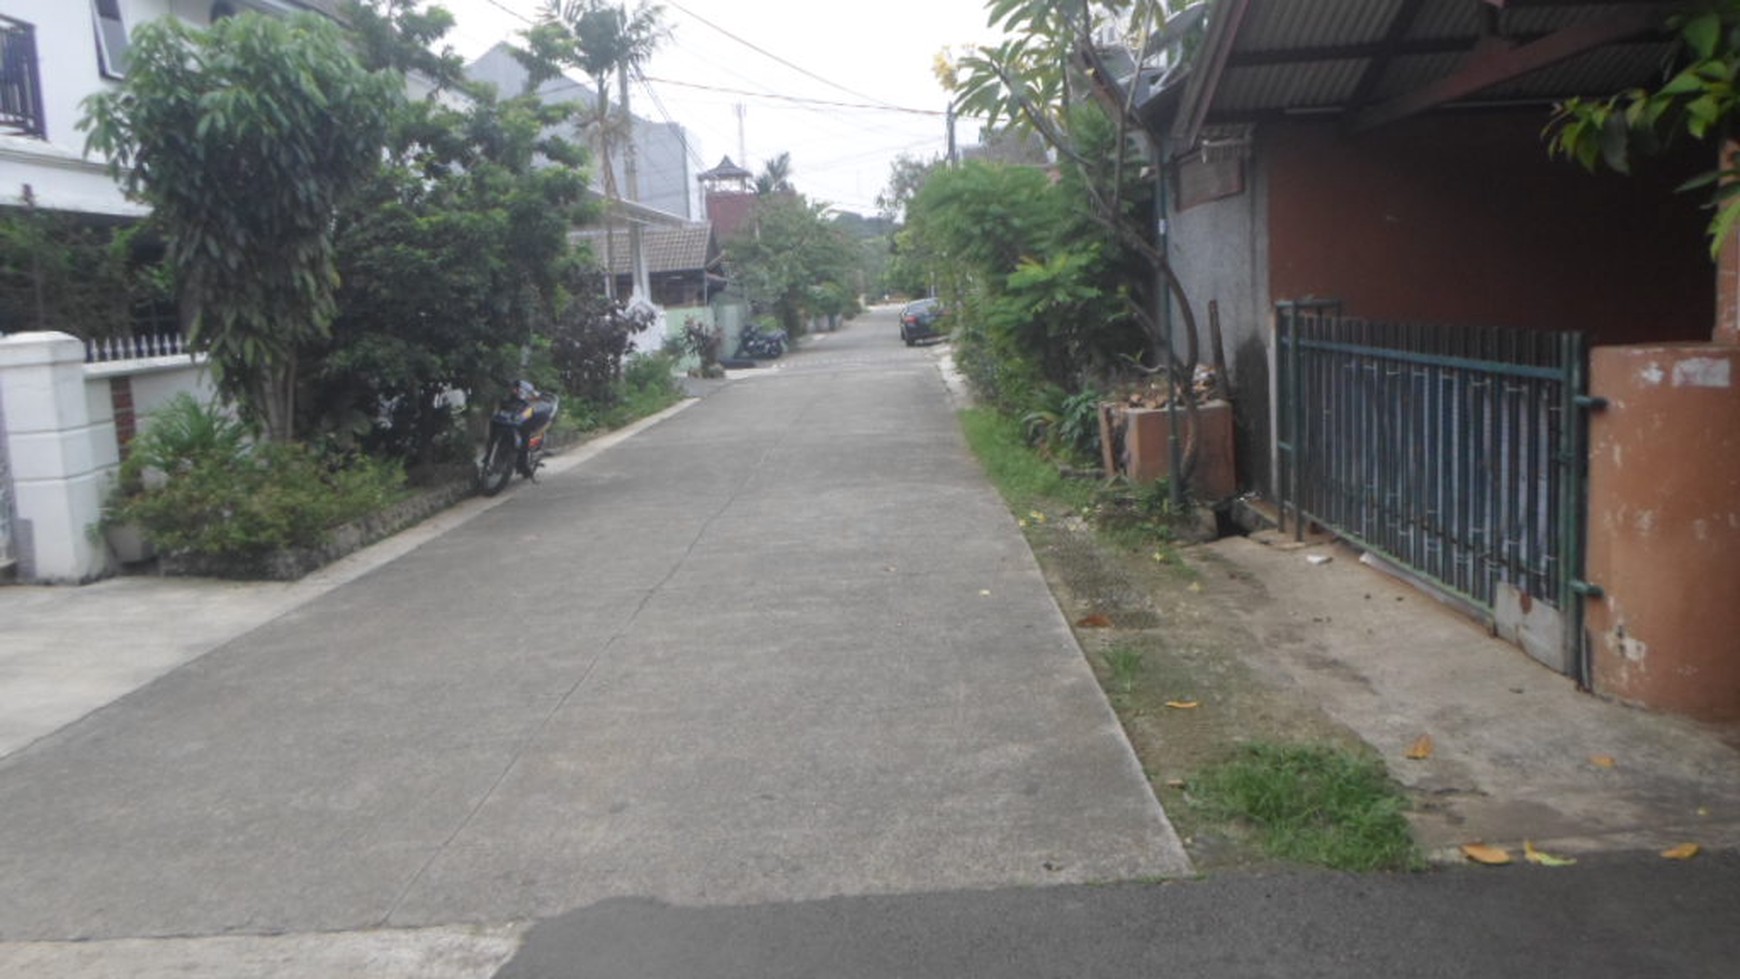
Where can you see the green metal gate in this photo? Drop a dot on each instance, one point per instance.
(1455, 453)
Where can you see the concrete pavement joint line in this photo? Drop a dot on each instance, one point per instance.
(566, 463)
(533, 735)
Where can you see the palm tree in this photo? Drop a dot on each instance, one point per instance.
(775, 177)
(602, 39)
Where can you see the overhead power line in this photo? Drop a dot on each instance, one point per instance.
(504, 8)
(878, 107)
(769, 54)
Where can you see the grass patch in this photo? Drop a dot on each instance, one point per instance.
(1313, 804)
(1136, 518)
(1016, 470)
(1125, 664)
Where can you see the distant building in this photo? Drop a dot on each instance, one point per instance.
(729, 192)
(662, 148)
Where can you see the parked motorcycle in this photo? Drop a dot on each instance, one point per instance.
(761, 344)
(516, 436)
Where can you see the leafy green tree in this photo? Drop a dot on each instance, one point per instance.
(906, 177)
(245, 139)
(1699, 100)
(906, 266)
(453, 255)
(1039, 291)
(795, 261)
(1027, 82)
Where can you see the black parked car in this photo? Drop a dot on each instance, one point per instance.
(918, 320)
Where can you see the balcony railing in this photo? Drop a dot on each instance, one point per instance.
(20, 83)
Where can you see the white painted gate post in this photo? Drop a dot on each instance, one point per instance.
(59, 475)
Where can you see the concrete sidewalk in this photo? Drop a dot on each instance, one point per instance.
(1519, 754)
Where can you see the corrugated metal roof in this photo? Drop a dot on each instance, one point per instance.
(1437, 21)
(1292, 24)
(1292, 55)
(1311, 85)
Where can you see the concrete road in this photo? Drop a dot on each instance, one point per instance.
(784, 646)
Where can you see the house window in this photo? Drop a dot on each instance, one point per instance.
(20, 83)
(111, 38)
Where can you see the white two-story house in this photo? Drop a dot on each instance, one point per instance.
(54, 53)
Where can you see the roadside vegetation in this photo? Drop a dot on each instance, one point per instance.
(1052, 278)
(1313, 804)
(1250, 776)
(364, 269)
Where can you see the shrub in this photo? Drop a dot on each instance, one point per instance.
(193, 485)
(1067, 426)
(648, 386)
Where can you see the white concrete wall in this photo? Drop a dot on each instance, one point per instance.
(61, 445)
(56, 168)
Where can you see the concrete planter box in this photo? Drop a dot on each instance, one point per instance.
(127, 542)
(289, 565)
(1133, 444)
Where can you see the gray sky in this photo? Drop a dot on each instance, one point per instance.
(870, 59)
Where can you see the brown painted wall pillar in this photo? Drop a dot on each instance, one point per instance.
(1664, 526)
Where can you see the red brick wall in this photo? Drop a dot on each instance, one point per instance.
(1466, 219)
(729, 212)
(126, 422)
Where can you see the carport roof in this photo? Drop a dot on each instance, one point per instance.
(686, 249)
(1378, 61)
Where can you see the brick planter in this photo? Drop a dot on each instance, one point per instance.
(1133, 444)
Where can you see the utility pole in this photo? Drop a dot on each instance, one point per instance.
(631, 174)
(742, 143)
(950, 116)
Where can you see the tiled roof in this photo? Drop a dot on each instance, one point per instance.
(686, 249)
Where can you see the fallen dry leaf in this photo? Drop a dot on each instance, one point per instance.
(1183, 704)
(1175, 783)
(1195, 586)
(1542, 857)
(1492, 856)
(1421, 749)
(1685, 851)
(1602, 761)
(1094, 621)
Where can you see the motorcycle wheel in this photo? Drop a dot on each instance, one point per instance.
(498, 463)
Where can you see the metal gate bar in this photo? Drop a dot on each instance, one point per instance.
(1454, 452)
